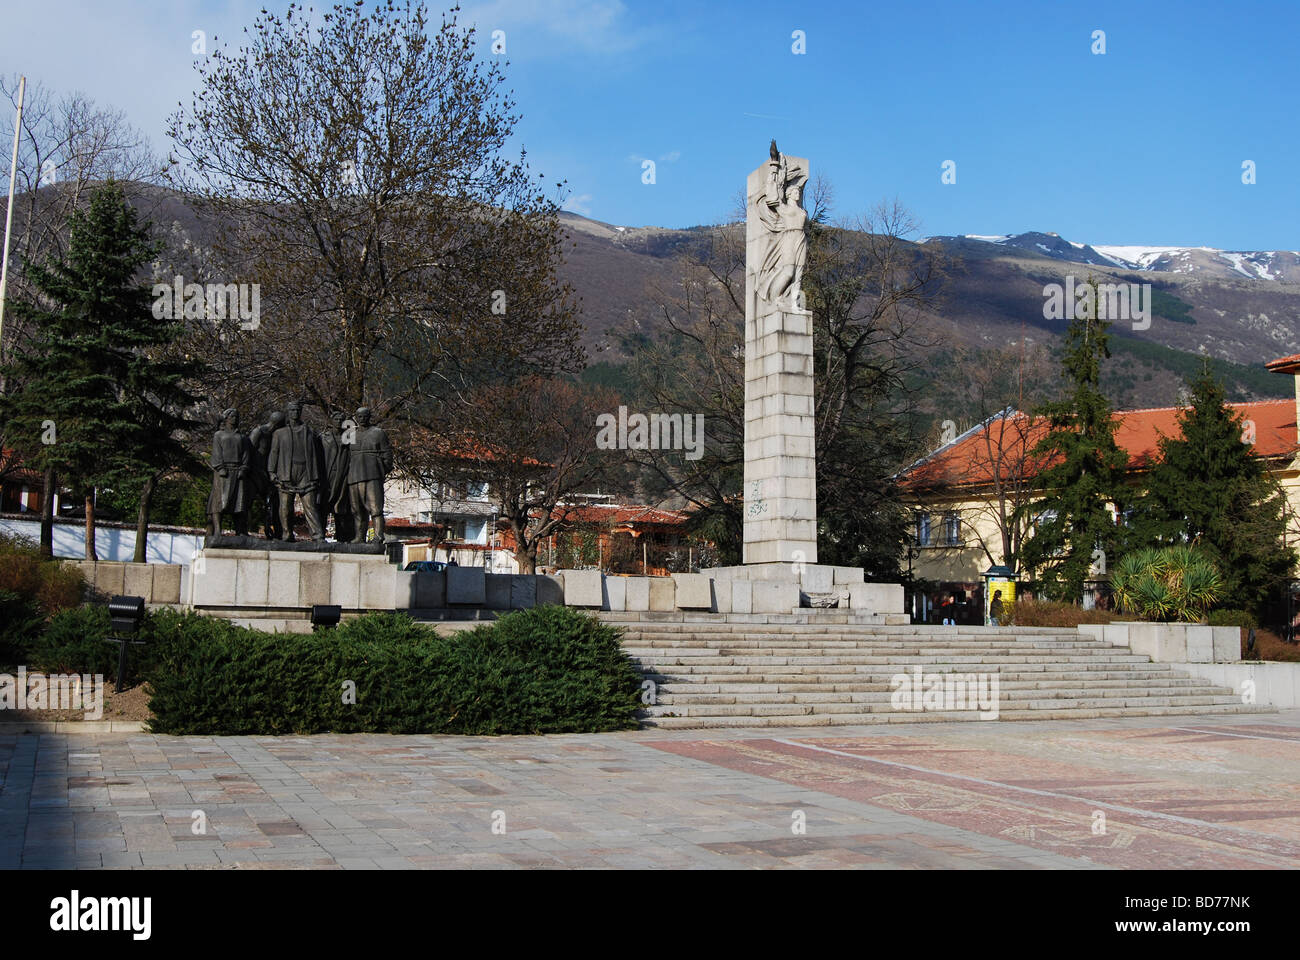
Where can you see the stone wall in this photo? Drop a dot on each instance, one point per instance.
(1171, 642)
(1271, 684)
(723, 590)
(284, 585)
(159, 583)
(285, 582)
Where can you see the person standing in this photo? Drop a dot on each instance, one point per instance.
(995, 609)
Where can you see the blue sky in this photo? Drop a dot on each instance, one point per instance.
(1143, 144)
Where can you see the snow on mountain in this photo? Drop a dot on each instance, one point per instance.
(1138, 257)
(1274, 265)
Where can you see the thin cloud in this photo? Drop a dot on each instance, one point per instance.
(672, 156)
(580, 205)
(596, 26)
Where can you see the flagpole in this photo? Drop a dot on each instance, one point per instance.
(9, 213)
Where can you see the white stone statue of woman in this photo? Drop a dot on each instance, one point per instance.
(781, 210)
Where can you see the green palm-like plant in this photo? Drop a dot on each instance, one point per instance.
(1178, 583)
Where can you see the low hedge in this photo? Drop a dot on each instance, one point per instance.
(1228, 617)
(546, 670)
(75, 641)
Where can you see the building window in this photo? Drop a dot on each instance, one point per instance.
(952, 529)
(922, 529)
(1048, 518)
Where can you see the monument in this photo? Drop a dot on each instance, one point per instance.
(232, 467)
(780, 568)
(294, 464)
(335, 499)
(780, 495)
(261, 485)
(370, 463)
(286, 465)
(297, 470)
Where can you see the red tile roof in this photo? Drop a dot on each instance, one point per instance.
(618, 514)
(1289, 364)
(967, 461)
(14, 470)
(408, 523)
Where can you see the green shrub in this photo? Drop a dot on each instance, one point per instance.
(547, 670)
(75, 641)
(577, 672)
(1177, 583)
(1232, 618)
(20, 625)
(33, 588)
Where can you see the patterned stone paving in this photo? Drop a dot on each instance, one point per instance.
(1192, 794)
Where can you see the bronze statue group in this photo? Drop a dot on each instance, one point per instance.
(338, 472)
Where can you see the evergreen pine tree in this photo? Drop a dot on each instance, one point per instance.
(93, 403)
(1210, 489)
(1086, 470)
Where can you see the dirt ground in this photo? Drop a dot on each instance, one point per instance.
(131, 704)
(1269, 646)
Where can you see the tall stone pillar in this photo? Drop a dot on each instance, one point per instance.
(780, 493)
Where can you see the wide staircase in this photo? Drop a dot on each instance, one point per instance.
(714, 673)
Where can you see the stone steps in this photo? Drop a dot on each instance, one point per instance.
(882, 694)
(773, 649)
(706, 655)
(883, 706)
(792, 631)
(708, 664)
(722, 674)
(797, 685)
(822, 719)
(784, 643)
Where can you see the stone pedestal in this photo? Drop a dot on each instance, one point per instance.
(810, 585)
(231, 579)
(255, 585)
(780, 493)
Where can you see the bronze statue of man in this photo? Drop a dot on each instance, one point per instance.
(261, 486)
(335, 497)
(232, 463)
(369, 463)
(294, 465)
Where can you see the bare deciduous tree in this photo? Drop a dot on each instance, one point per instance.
(993, 477)
(532, 442)
(356, 170)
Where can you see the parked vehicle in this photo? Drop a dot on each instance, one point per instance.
(426, 566)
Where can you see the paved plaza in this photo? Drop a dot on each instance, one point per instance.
(1165, 793)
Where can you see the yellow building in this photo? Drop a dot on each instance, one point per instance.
(965, 494)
